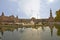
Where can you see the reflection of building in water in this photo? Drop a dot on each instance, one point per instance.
(3, 29)
(43, 28)
(22, 30)
(51, 29)
(1, 34)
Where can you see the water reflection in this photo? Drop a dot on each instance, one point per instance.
(22, 30)
(58, 29)
(43, 28)
(32, 33)
(51, 29)
(1, 34)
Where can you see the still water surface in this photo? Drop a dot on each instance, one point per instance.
(41, 33)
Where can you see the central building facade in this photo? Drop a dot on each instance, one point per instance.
(12, 20)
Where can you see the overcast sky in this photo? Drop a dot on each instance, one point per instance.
(29, 8)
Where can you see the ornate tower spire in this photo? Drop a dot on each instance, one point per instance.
(2, 14)
(51, 19)
(50, 12)
(17, 17)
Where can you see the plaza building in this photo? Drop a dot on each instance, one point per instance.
(8, 19)
(13, 20)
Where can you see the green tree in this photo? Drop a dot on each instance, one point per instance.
(57, 18)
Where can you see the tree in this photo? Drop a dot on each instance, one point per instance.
(57, 18)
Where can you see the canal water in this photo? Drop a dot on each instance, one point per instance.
(40, 33)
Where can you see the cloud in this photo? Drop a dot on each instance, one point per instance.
(32, 8)
(28, 5)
